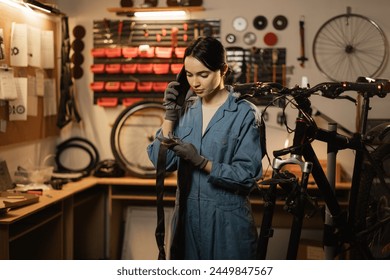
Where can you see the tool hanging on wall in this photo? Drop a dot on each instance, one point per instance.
(302, 58)
(67, 109)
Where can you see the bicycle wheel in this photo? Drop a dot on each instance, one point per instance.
(372, 217)
(349, 46)
(133, 130)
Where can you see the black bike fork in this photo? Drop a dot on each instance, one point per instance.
(298, 215)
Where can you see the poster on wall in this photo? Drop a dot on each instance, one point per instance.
(2, 52)
(18, 107)
(47, 43)
(19, 45)
(34, 46)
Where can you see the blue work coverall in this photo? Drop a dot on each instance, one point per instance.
(218, 219)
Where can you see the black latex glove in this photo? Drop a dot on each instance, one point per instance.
(188, 152)
(170, 99)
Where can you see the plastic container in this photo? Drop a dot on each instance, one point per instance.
(112, 86)
(97, 86)
(113, 52)
(145, 68)
(130, 52)
(163, 52)
(128, 86)
(176, 67)
(98, 52)
(97, 68)
(146, 51)
(159, 86)
(161, 68)
(144, 86)
(129, 68)
(113, 68)
(107, 101)
(179, 52)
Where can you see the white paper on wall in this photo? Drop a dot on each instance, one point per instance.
(7, 84)
(18, 107)
(34, 47)
(39, 82)
(50, 102)
(32, 98)
(2, 49)
(47, 43)
(19, 45)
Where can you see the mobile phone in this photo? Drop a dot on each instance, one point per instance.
(183, 87)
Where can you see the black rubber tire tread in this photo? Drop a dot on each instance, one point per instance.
(363, 203)
(120, 120)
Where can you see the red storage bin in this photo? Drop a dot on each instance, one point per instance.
(159, 86)
(145, 68)
(144, 86)
(98, 52)
(112, 86)
(113, 68)
(97, 86)
(97, 68)
(129, 68)
(163, 52)
(130, 52)
(113, 52)
(179, 52)
(128, 86)
(176, 67)
(107, 101)
(130, 101)
(161, 68)
(146, 51)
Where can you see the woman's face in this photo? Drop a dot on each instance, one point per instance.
(202, 80)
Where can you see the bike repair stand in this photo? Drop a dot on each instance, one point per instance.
(329, 236)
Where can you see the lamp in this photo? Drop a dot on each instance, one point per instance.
(42, 7)
(160, 14)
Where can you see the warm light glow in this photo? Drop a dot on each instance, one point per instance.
(161, 15)
(12, 3)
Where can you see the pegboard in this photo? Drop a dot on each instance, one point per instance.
(129, 60)
(108, 32)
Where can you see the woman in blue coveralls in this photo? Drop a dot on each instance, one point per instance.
(220, 141)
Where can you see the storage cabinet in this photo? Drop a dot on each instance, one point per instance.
(62, 225)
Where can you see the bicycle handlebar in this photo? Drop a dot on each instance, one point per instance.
(379, 87)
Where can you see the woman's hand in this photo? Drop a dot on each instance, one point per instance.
(170, 102)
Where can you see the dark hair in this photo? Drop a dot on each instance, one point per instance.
(209, 51)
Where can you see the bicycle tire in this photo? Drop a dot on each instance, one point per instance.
(348, 46)
(133, 130)
(372, 217)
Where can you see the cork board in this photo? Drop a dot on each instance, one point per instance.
(39, 126)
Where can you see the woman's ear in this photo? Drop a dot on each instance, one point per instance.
(224, 69)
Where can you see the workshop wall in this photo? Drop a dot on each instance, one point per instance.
(97, 121)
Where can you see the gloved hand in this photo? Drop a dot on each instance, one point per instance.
(188, 152)
(170, 99)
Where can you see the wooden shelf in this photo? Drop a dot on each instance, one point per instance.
(131, 10)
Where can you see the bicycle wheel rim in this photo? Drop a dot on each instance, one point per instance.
(349, 46)
(132, 132)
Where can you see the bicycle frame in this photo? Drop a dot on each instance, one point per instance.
(339, 231)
